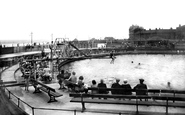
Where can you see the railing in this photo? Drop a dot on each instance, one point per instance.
(17, 100)
(32, 109)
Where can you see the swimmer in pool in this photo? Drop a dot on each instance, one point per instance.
(138, 66)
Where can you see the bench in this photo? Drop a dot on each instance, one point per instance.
(119, 90)
(128, 100)
(49, 90)
(149, 92)
(168, 93)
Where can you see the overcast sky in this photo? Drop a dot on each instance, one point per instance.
(85, 19)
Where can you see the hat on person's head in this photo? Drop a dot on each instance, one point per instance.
(81, 77)
(62, 71)
(117, 80)
(73, 73)
(141, 79)
(125, 80)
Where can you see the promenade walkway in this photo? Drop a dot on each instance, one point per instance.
(21, 54)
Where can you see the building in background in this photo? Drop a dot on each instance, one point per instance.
(158, 37)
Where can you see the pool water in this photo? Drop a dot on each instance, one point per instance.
(156, 70)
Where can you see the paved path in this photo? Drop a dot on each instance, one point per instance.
(21, 54)
(7, 107)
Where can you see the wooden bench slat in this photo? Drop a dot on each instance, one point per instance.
(56, 94)
(167, 91)
(127, 102)
(168, 98)
(43, 89)
(43, 85)
(154, 91)
(110, 96)
(179, 92)
(102, 101)
(49, 90)
(147, 90)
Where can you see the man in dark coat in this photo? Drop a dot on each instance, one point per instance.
(102, 85)
(126, 88)
(117, 86)
(141, 89)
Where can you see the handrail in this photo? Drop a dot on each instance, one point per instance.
(33, 108)
(159, 91)
(137, 97)
(17, 97)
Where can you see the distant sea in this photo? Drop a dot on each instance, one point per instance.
(10, 43)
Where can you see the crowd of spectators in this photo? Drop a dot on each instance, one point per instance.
(76, 84)
(120, 89)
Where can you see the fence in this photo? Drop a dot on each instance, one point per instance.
(31, 110)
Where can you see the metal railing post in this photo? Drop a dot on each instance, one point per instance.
(33, 110)
(75, 112)
(9, 95)
(18, 101)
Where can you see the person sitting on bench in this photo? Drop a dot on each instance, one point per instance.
(72, 81)
(81, 87)
(126, 88)
(67, 75)
(140, 88)
(116, 85)
(94, 85)
(102, 85)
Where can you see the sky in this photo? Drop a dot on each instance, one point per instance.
(85, 19)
